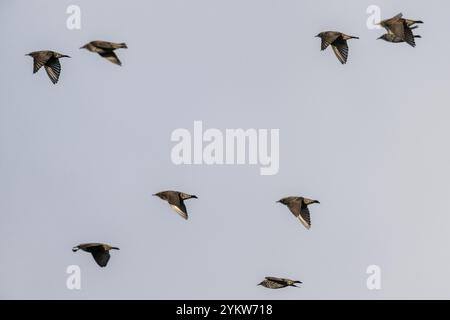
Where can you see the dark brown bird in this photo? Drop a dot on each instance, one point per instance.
(176, 201)
(278, 283)
(99, 251)
(105, 49)
(338, 42)
(299, 207)
(399, 30)
(50, 61)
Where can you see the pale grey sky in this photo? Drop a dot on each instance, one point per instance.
(79, 160)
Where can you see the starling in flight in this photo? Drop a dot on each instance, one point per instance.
(399, 30)
(278, 283)
(299, 207)
(50, 61)
(99, 251)
(105, 49)
(176, 201)
(338, 42)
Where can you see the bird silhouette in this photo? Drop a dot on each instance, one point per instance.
(299, 207)
(278, 283)
(400, 30)
(50, 61)
(176, 201)
(105, 49)
(100, 251)
(338, 42)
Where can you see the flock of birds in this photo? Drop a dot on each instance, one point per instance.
(297, 205)
(398, 30)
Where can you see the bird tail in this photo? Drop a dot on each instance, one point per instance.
(123, 45)
(75, 249)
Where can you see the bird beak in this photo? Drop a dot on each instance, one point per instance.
(379, 38)
(154, 194)
(195, 197)
(279, 201)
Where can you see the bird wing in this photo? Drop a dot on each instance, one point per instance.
(180, 209)
(275, 279)
(88, 245)
(108, 45)
(40, 59)
(176, 202)
(111, 56)
(53, 68)
(408, 35)
(103, 44)
(389, 21)
(340, 49)
(328, 39)
(295, 206)
(304, 216)
(301, 211)
(101, 257)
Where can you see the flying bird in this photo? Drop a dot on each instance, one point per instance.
(105, 49)
(400, 30)
(338, 42)
(99, 251)
(50, 61)
(278, 283)
(299, 207)
(176, 201)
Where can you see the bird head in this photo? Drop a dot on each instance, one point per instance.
(282, 201)
(161, 195)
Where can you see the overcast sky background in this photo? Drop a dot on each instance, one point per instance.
(79, 160)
